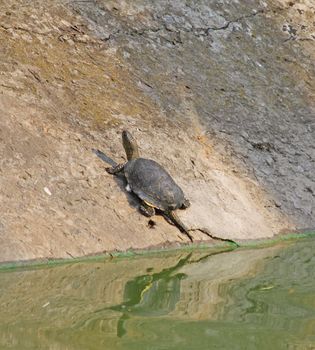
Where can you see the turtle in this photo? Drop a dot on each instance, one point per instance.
(152, 184)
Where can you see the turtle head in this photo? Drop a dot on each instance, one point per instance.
(130, 145)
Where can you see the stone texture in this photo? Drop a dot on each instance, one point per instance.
(221, 94)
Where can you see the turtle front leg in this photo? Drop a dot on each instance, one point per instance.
(146, 210)
(115, 169)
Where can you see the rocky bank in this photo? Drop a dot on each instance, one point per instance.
(221, 93)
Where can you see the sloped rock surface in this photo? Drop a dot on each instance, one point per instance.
(221, 94)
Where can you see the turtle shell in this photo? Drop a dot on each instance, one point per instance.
(153, 184)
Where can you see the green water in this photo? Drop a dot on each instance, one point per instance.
(243, 299)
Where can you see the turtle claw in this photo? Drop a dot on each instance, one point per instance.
(109, 170)
(115, 169)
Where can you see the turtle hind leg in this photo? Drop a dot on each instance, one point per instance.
(178, 223)
(185, 204)
(146, 210)
(167, 218)
(115, 169)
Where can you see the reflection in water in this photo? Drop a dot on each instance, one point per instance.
(245, 299)
(151, 295)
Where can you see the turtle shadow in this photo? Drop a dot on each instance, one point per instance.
(120, 179)
(132, 199)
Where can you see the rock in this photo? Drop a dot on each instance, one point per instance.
(220, 83)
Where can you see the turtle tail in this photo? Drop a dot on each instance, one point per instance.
(178, 223)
